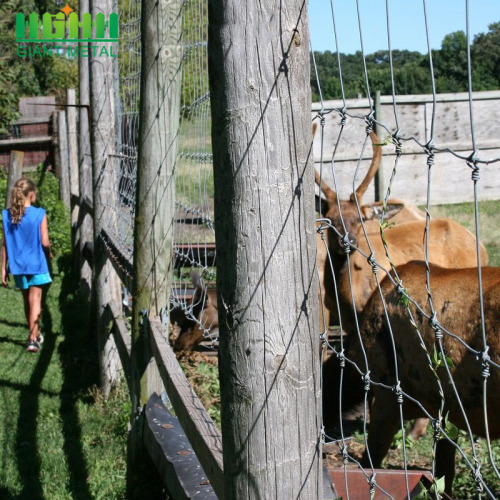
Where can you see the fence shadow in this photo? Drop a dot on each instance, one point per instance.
(27, 455)
(79, 363)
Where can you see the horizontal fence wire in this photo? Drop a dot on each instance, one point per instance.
(403, 352)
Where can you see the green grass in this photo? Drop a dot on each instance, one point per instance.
(59, 438)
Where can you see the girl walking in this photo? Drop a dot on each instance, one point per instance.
(26, 247)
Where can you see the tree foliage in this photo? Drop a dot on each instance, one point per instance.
(29, 76)
(411, 70)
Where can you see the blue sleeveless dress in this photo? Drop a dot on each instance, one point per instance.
(27, 261)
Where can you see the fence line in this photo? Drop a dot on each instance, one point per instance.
(272, 282)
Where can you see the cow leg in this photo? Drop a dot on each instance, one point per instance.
(445, 463)
(384, 423)
(419, 428)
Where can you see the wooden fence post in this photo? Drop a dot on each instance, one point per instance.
(85, 220)
(15, 172)
(161, 49)
(73, 163)
(106, 282)
(258, 56)
(55, 142)
(63, 158)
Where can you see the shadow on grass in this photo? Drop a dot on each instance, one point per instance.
(27, 453)
(78, 356)
(9, 340)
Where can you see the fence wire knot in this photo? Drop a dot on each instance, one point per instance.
(478, 477)
(396, 140)
(322, 338)
(399, 393)
(321, 115)
(347, 244)
(429, 151)
(369, 122)
(371, 260)
(471, 162)
(372, 482)
(436, 326)
(343, 116)
(436, 426)
(366, 381)
(345, 454)
(485, 363)
(341, 358)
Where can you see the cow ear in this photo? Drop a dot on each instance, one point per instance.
(373, 211)
(321, 205)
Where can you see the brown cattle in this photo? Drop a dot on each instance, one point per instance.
(455, 299)
(203, 319)
(450, 245)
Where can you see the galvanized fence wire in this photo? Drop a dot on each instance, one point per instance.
(437, 353)
(194, 234)
(122, 164)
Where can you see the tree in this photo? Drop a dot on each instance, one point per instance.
(29, 76)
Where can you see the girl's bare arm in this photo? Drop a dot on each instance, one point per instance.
(44, 230)
(4, 260)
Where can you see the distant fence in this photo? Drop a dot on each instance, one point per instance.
(452, 140)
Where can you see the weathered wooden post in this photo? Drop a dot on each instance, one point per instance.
(265, 237)
(161, 49)
(85, 222)
(379, 176)
(106, 282)
(73, 161)
(63, 158)
(15, 172)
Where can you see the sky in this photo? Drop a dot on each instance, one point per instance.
(407, 23)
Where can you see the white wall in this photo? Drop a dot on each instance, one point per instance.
(451, 176)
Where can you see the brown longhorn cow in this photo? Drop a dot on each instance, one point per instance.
(204, 312)
(455, 299)
(450, 245)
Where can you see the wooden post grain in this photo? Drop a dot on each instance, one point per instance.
(85, 222)
(106, 282)
(62, 128)
(73, 161)
(155, 189)
(267, 285)
(14, 173)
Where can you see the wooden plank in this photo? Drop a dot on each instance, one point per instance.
(25, 141)
(173, 455)
(198, 425)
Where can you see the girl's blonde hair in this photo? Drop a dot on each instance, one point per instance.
(22, 188)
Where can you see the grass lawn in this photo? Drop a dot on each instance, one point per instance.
(59, 438)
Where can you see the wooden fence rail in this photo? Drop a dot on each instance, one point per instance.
(200, 431)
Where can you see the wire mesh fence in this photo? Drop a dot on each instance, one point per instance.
(412, 332)
(194, 224)
(415, 341)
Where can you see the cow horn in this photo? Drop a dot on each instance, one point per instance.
(375, 164)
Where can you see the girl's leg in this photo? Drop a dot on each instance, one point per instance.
(35, 310)
(26, 304)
